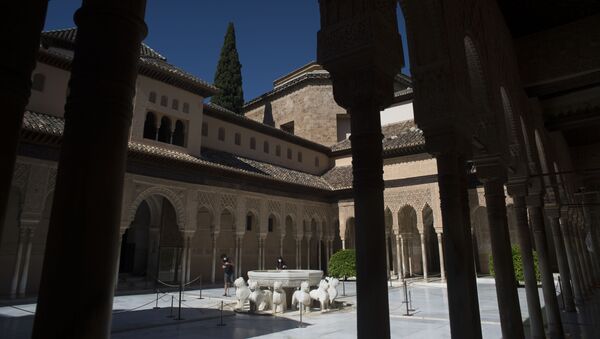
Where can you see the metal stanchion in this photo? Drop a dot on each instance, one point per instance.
(410, 300)
(200, 297)
(406, 299)
(221, 317)
(156, 305)
(179, 308)
(301, 306)
(171, 312)
(343, 288)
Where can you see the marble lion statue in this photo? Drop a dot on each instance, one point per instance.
(259, 300)
(241, 292)
(302, 297)
(321, 295)
(279, 298)
(332, 290)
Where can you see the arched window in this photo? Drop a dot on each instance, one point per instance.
(221, 134)
(316, 161)
(238, 139)
(252, 143)
(152, 97)
(164, 101)
(289, 153)
(278, 150)
(266, 147)
(186, 107)
(175, 104)
(270, 225)
(249, 222)
(150, 126)
(179, 134)
(38, 82)
(204, 129)
(299, 156)
(164, 132)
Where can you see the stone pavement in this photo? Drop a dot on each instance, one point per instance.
(135, 317)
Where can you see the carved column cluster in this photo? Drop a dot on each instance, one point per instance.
(534, 207)
(89, 184)
(553, 214)
(491, 173)
(518, 193)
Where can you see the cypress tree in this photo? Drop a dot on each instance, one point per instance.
(228, 77)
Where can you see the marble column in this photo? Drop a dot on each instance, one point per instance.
(237, 256)
(215, 236)
(184, 260)
(399, 257)
(463, 303)
(534, 206)
(423, 256)
(17, 266)
(241, 253)
(308, 252)
(587, 199)
(89, 183)
(441, 252)
(531, 287)
(506, 286)
(404, 258)
(260, 249)
(26, 261)
(578, 291)
(343, 244)
(281, 246)
(563, 266)
(25, 18)
(319, 249)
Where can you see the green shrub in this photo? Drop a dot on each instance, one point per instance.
(342, 264)
(518, 265)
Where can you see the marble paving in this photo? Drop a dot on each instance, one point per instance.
(135, 316)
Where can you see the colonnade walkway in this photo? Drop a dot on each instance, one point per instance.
(134, 316)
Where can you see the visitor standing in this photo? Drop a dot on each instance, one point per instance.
(281, 264)
(227, 274)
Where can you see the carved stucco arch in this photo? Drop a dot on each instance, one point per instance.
(166, 193)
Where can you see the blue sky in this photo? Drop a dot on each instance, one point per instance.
(274, 37)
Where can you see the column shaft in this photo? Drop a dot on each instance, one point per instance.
(319, 250)
(17, 267)
(531, 288)
(308, 253)
(26, 261)
(462, 288)
(571, 259)
(563, 266)
(399, 257)
(369, 242)
(539, 234)
(506, 286)
(241, 252)
(16, 64)
(404, 257)
(423, 256)
(89, 183)
(214, 260)
(441, 253)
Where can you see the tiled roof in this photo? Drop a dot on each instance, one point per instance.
(339, 177)
(47, 124)
(221, 113)
(398, 136)
(152, 63)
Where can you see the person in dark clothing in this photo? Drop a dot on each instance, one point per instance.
(281, 264)
(227, 274)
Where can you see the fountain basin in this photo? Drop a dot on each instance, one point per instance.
(288, 278)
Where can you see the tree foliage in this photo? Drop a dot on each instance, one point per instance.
(228, 77)
(518, 265)
(342, 264)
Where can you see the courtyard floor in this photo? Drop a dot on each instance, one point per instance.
(135, 317)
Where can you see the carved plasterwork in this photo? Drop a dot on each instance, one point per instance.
(175, 198)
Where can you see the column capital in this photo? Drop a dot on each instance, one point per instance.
(534, 200)
(490, 168)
